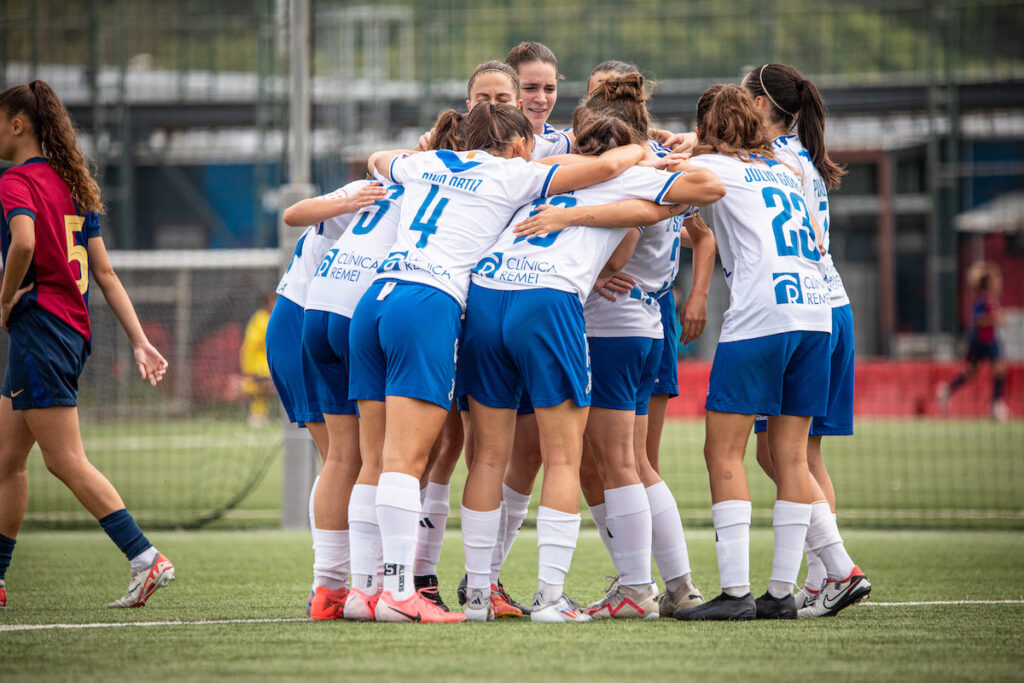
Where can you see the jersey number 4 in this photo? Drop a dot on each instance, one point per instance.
(73, 226)
(429, 226)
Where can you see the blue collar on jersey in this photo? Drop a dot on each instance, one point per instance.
(33, 160)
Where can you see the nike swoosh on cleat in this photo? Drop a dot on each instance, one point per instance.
(405, 614)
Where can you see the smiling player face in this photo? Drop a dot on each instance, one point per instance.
(493, 87)
(539, 84)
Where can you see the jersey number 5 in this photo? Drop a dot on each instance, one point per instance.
(73, 226)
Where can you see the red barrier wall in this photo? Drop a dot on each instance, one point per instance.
(884, 388)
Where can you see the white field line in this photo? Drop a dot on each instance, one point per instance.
(219, 622)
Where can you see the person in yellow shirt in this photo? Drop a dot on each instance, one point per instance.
(253, 360)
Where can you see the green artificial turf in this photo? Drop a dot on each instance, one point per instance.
(67, 578)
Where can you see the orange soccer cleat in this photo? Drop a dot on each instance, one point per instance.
(415, 608)
(328, 604)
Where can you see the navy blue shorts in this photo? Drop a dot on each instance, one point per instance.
(325, 345)
(625, 369)
(839, 419)
(978, 351)
(403, 341)
(781, 374)
(45, 358)
(667, 381)
(529, 339)
(284, 356)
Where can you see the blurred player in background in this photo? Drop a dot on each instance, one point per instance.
(787, 99)
(983, 341)
(51, 242)
(252, 359)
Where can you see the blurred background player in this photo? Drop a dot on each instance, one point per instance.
(983, 342)
(51, 240)
(252, 359)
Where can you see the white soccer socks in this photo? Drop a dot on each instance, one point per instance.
(824, 541)
(498, 552)
(430, 536)
(556, 540)
(790, 521)
(668, 540)
(364, 537)
(398, 514)
(479, 531)
(629, 525)
(599, 513)
(732, 545)
(330, 558)
(516, 507)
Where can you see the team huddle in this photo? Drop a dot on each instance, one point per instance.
(505, 290)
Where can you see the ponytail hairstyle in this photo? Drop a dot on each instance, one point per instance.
(796, 99)
(728, 122)
(449, 131)
(529, 51)
(600, 133)
(492, 127)
(493, 65)
(613, 67)
(52, 126)
(625, 97)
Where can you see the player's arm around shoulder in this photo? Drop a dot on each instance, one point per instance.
(151, 364)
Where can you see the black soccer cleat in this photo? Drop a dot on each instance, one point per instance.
(428, 589)
(723, 608)
(508, 598)
(771, 607)
(461, 590)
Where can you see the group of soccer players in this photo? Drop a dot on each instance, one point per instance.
(505, 290)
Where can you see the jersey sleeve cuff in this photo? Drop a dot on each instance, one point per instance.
(664, 189)
(547, 181)
(21, 211)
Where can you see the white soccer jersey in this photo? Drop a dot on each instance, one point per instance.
(311, 247)
(455, 206)
(654, 265)
(569, 259)
(768, 251)
(789, 150)
(550, 144)
(351, 264)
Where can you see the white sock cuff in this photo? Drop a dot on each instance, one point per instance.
(400, 491)
(730, 513)
(787, 513)
(362, 505)
(516, 502)
(660, 497)
(822, 531)
(435, 500)
(480, 516)
(626, 500)
(557, 528)
(599, 513)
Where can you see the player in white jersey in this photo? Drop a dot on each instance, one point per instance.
(455, 204)
(772, 356)
(525, 331)
(290, 369)
(342, 276)
(785, 97)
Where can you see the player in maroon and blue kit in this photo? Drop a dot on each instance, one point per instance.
(50, 234)
(983, 343)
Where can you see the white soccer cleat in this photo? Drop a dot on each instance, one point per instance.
(558, 612)
(837, 595)
(805, 596)
(145, 582)
(623, 602)
(478, 605)
(684, 599)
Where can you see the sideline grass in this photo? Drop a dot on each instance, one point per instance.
(68, 577)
